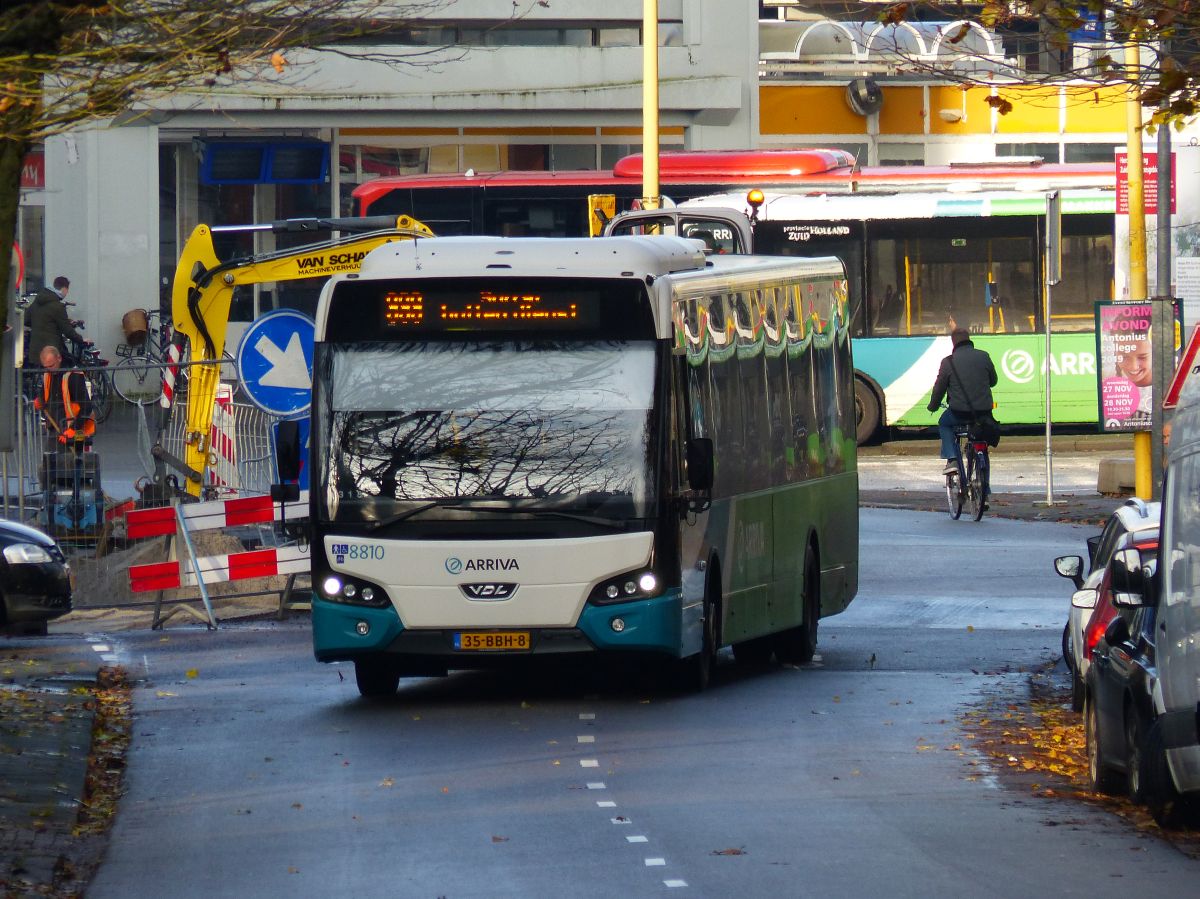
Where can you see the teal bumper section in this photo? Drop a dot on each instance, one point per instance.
(651, 625)
(335, 630)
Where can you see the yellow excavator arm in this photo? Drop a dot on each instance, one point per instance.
(203, 290)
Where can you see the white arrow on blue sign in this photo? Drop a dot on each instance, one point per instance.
(274, 361)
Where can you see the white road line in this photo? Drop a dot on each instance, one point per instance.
(621, 821)
(101, 647)
(599, 785)
(589, 763)
(110, 657)
(637, 839)
(606, 803)
(587, 716)
(656, 862)
(585, 738)
(674, 884)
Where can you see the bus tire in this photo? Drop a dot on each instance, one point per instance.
(375, 678)
(797, 645)
(866, 411)
(695, 672)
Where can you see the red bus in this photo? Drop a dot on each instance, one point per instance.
(554, 204)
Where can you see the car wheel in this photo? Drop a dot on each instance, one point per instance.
(1103, 778)
(1134, 739)
(1156, 785)
(376, 679)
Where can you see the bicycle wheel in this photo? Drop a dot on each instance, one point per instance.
(102, 400)
(976, 480)
(136, 381)
(954, 496)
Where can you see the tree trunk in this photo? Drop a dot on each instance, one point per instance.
(12, 155)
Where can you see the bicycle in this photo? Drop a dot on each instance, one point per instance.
(969, 482)
(138, 377)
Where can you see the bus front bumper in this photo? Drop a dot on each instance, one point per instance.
(344, 632)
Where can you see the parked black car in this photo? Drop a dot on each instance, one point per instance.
(35, 579)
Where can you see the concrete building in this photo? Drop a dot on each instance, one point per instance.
(558, 87)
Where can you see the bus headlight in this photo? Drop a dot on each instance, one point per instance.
(353, 591)
(641, 584)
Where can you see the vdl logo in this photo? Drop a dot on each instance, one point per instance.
(1018, 366)
(454, 565)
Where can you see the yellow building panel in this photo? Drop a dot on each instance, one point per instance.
(1035, 110)
(953, 110)
(1096, 109)
(802, 109)
(636, 130)
(903, 110)
(397, 132)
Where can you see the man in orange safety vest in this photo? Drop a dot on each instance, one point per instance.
(64, 402)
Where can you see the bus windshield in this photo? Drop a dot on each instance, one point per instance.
(495, 425)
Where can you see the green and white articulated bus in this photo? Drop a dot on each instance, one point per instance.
(529, 447)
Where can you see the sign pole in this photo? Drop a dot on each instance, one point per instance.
(1053, 270)
(1162, 320)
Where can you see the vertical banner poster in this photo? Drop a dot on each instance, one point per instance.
(1124, 365)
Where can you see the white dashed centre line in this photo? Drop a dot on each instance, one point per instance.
(600, 785)
(674, 884)
(655, 862)
(587, 716)
(585, 738)
(588, 763)
(606, 803)
(637, 839)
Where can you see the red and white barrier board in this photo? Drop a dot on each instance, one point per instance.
(226, 513)
(214, 569)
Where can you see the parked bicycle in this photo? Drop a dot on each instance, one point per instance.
(968, 485)
(138, 377)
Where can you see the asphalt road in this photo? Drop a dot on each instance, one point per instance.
(256, 771)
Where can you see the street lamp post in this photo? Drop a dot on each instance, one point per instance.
(650, 188)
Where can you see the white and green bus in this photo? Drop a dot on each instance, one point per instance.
(919, 261)
(529, 447)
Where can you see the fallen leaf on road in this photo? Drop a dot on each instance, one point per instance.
(163, 693)
(496, 839)
(729, 852)
(387, 782)
(192, 673)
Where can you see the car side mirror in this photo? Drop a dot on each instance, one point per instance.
(1125, 571)
(1070, 567)
(1085, 598)
(1117, 631)
(700, 464)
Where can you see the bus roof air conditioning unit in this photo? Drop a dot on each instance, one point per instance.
(864, 96)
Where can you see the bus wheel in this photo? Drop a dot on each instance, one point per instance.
(798, 645)
(375, 678)
(866, 411)
(695, 671)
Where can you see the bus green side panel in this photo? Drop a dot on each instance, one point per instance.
(762, 596)
(905, 367)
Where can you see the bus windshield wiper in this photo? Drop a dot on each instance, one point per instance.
(599, 521)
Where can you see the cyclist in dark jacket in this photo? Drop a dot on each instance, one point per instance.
(48, 320)
(965, 378)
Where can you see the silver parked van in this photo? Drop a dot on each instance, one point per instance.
(1168, 778)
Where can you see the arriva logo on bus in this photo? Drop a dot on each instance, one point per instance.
(1020, 366)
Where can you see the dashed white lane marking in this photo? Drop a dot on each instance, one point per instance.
(606, 803)
(655, 862)
(637, 839)
(621, 821)
(674, 884)
(588, 763)
(110, 657)
(585, 738)
(587, 716)
(101, 647)
(599, 785)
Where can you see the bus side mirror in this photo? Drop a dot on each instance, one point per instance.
(287, 450)
(700, 464)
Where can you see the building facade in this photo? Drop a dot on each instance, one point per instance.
(557, 87)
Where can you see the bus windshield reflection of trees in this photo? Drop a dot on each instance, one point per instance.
(562, 425)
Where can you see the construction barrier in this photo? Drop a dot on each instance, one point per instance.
(185, 520)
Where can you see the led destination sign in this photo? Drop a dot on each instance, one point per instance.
(451, 308)
(408, 309)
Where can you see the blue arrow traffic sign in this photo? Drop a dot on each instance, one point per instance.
(274, 361)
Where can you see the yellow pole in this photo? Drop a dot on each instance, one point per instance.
(1138, 289)
(650, 188)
